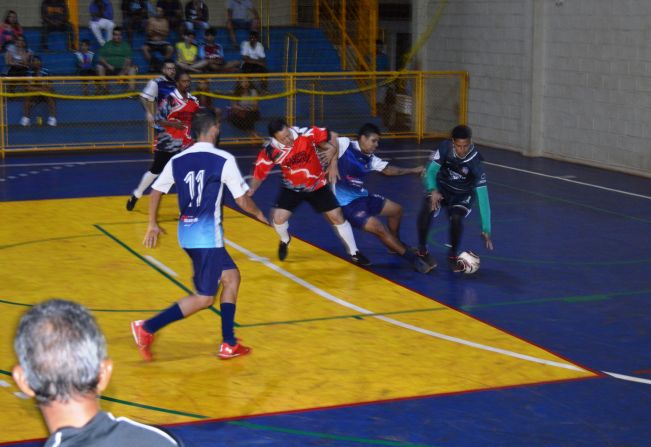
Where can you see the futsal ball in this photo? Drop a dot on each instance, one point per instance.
(470, 262)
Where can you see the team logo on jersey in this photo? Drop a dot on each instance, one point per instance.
(464, 170)
(435, 156)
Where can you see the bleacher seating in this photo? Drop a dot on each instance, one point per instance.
(315, 52)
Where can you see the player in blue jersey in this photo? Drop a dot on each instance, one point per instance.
(200, 173)
(360, 208)
(151, 99)
(455, 174)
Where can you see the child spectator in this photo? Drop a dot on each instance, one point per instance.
(38, 84)
(158, 30)
(187, 54)
(213, 54)
(101, 19)
(11, 29)
(55, 17)
(244, 111)
(85, 61)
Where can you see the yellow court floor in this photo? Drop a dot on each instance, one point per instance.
(323, 331)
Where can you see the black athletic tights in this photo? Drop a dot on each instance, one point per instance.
(456, 216)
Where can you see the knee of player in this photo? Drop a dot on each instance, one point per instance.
(205, 301)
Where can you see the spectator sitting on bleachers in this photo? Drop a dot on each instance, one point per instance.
(18, 57)
(55, 17)
(241, 14)
(174, 14)
(254, 59)
(196, 17)
(206, 101)
(85, 62)
(213, 54)
(134, 16)
(11, 29)
(187, 54)
(38, 84)
(244, 112)
(101, 19)
(115, 59)
(158, 30)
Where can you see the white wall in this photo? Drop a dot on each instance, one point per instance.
(568, 79)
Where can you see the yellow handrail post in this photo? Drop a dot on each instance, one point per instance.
(294, 12)
(73, 11)
(312, 103)
(3, 129)
(317, 6)
(463, 109)
(344, 33)
(420, 107)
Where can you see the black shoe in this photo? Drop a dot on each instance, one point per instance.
(456, 264)
(131, 203)
(421, 266)
(282, 249)
(425, 256)
(359, 259)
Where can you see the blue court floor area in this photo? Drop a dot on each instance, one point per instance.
(571, 272)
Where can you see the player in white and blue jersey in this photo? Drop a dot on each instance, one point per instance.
(200, 173)
(360, 208)
(453, 179)
(151, 98)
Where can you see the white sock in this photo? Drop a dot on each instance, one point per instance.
(282, 231)
(147, 179)
(345, 232)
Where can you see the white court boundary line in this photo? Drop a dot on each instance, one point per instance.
(312, 288)
(526, 171)
(160, 265)
(344, 303)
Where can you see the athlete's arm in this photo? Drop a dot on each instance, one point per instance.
(153, 230)
(261, 169)
(395, 170)
(253, 186)
(247, 204)
(485, 214)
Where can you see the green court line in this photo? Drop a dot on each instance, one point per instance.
(344, 317)
(326, 435)
(37, 241)
(150, 407)
(146, 261)
(15, 303)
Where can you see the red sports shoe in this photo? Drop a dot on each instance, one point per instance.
(143, 339)
(227, 351)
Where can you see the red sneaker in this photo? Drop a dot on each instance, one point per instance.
(143, 339)
(227, 351)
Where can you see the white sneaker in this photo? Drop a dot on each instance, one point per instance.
(25, 121)
(52, 121)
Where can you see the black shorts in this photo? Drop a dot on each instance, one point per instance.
(322, 200)
(160, 160)
(455, 200)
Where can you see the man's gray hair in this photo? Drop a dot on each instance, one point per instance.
(60, 347)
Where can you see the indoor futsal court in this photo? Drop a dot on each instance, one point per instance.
(548, 344)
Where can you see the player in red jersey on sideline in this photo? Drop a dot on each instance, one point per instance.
(302, 155)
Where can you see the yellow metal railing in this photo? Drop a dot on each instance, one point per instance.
(410, 104)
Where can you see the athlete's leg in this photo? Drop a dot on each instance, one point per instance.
(393, 212)
(423, 223)
(230, 281)
(457, 215)
(280, 219)
(375, 226)
(343, 229)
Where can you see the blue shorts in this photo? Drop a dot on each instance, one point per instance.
(359, 210)
(208, 265)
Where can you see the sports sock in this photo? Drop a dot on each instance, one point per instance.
(423, 221)
(456, 230)
(147, 179)
(228, 321)
(282, 231)
(345, 232)
(158, 322)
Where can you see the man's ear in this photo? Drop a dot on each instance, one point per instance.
(105, 371)
(18, 374)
